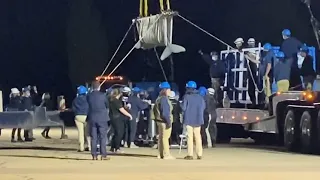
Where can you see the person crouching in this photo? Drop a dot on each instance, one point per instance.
(162, 114)
(80, 108)
(193, 106)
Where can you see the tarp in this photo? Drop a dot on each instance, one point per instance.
(156, 30)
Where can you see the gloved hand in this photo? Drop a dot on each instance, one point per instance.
(168, 125)
(200, 52)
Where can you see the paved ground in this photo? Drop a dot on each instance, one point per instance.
(57, 159)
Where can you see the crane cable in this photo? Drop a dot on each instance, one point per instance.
(162, 69)
(118, 48)
(221, 41)
(140, 39)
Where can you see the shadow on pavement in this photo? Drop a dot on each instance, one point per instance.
(37, 148)
(47, 157)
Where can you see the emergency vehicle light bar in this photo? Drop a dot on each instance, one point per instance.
(113, 78)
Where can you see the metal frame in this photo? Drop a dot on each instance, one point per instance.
(240, 72)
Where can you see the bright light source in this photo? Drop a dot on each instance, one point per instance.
(232, 117)
(278, 93)
(245, 118)
(221, 117)
(257, 118)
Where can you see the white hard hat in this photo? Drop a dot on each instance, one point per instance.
(172, 95)
(15, 91)
(126, 90)
(238, 41)
(211, 91)
(251, 40)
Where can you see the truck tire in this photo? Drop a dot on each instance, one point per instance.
(291, 131)
(306, 132)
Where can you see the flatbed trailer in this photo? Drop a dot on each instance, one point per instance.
(293, 120)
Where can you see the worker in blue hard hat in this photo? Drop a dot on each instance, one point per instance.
(267, 62)
(282, 72)
(305, 65)
(217, 70)
(193, 106)
(27, 105)
(290, 47)
(162, 115)
(135, 105)
(80, 107)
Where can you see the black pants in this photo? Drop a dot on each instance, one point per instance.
(176, 131)
(252, 79)
(203, 130)
(98, 132)
(118, 126)
(14, 132)
(131, 129)
(213, 130)
(28, 134)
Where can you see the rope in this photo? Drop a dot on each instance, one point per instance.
(118, 48)
(125, 57)
(162, 69)
(216, 38)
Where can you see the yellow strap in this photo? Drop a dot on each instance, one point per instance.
(161, 5)
(146, 8)
(141, 8)
(168, 5)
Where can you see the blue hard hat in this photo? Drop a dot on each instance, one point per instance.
(286, 32)
(280, 54)
(202, 91)
(136, 89)
(164, 85)
(82, 90)
(304, 48)
(267, 46)
(191, 84)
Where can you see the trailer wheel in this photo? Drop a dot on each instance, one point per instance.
(306, 132)
(291, 131)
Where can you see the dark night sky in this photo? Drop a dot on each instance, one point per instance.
(58, 44)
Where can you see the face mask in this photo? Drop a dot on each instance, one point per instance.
(214, 58)
(239, 46)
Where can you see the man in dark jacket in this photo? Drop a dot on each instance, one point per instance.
(135, 105)
(193, 106)
(217, 71)
(27, 105)
(306, 68)
(211, 106)
(98, 120)
(176, 113)
(290, 47)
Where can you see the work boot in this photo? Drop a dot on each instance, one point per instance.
(87, 149)
(188, 158)
(20, 139)
(64, 136)
(28, 139)
(94, 158)
(13, 140)
(199, 157)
